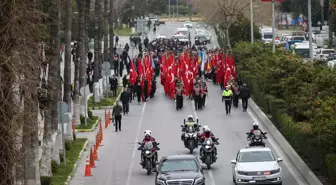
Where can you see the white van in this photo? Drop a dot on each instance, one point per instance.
(183, 31)
(302, 49)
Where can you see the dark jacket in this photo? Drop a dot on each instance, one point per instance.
(117, 109)
(124, 97)
(245, 92)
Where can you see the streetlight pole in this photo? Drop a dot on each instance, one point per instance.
(310, 31)
(169, 7)
(273, 27)
(322, 13)
(251, 11)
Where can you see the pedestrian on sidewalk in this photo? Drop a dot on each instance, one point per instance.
(124, 97)
(116, 40)
(245, 95)
(114, 85)
(116, 113)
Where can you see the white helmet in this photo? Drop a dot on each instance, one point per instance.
(190, 117)
(255, 124)
(148, 132)
(206, 128)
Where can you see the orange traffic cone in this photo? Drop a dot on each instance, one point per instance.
(101, 136)
(92, 163)
(87, 168)
(106, 122)
(95, 154)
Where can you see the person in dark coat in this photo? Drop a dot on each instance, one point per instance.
(124, 98)
(116, 116)
(245, 95)
(90, 56)
(114, 85)
(146, 90)
(138, 90)
(125, 81)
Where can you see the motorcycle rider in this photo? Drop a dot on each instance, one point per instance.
(148, 138)
(208, 134)
(188, 123)
(255, 126)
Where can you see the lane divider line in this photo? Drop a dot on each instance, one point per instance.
(135, 146)
(211, 178)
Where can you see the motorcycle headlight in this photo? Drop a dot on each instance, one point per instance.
(199, 180)
(208, 142)
(148, 152)
(207, 147)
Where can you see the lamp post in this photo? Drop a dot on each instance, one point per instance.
(310, 31)
(251, 11)
(273, 27)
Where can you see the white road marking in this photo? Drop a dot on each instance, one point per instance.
(279, 152)
(135, 146)
(211, 178)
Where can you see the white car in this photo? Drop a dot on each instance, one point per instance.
(256, 165)
(188, 24)
(324, 53)
(182, 38)
(161, 37)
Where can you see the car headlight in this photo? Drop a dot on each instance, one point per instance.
(199, 181)
(241, 172)
(207, 147)
(148, 152)
(275, 171)
(160, 182)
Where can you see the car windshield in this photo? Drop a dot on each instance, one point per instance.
(182, 33)
(304, 53)
(266, 36)
(256, 156)
(327, 52)
(179, 165)
(298, 38)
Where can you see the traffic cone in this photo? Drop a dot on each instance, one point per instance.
(95, 154)
(106, 122)
(87, 168)
(92, 161)
(101, 134)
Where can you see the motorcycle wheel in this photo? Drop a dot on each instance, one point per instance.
(149, 167)
(208, 161)
(191, 147)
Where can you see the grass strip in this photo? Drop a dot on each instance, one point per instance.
(123, 31)
(108, 101)
(72, 156)
(90, 123)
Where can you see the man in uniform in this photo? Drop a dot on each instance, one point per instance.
(227, 97)
(197, 96)
(179, 96)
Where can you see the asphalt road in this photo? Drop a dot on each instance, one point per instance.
(119, 158)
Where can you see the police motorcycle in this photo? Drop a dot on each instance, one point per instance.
(149, 156)
(208, 147)
(256, 139)
(191, 136)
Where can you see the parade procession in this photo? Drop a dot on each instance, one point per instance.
(183, 71)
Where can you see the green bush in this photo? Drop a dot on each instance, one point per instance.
(45, 180)
(300, 97)
(67, 145)
(54, 166)
(331, 165)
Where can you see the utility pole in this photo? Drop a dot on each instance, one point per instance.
(273, 27)
(322, 13)
(251, 11)
(169, 7)
(310, 31)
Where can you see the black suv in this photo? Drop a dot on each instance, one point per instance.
(179, 170)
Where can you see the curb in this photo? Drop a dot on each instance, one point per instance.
(108, 107)
(288, 150)
(75, 166)
(89, 129)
